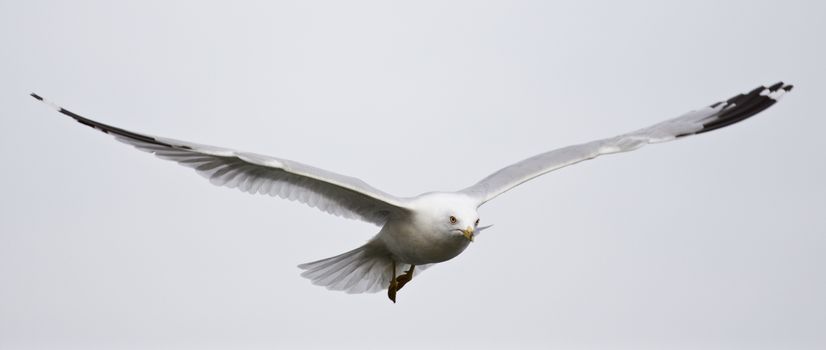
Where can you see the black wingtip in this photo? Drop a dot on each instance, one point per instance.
(744, 106)
(107, 129)
(776, 86)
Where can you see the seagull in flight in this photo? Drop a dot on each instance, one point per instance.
(416, 232)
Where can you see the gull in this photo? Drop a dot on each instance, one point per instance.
(415, 231)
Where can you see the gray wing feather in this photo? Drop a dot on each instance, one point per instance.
(718, 115)
(254, 173)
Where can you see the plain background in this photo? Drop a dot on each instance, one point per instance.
(713, 242)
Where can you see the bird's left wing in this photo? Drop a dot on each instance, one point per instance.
(718, 115)
(249, 172)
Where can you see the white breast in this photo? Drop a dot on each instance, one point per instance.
(412, 244)
(423, 237)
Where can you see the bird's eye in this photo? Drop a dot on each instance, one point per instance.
(453, 220)
(477, 222)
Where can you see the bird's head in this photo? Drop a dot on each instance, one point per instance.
(461, 222)
(453, 215)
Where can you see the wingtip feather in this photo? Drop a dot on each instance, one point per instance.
(47, 102)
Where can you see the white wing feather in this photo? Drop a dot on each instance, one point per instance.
(716, 116)
(333, 193)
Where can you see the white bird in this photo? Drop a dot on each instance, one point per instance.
(419, 231)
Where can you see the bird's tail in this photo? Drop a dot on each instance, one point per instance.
(361, 270)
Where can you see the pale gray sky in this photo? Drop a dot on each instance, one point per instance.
(713, 242)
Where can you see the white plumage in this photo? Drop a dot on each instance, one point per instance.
(418, 231)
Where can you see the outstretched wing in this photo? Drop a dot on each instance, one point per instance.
(333, 193)
(718, 115)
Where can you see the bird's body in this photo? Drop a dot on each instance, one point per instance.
(420, 231)
(419, 238)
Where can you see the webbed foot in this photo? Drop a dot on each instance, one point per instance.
(406, 277)
(397, 282)
(393, 287)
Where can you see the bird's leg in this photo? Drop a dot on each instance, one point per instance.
(406, 277)
(391, 290)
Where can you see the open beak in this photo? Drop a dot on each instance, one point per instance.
(468, 233)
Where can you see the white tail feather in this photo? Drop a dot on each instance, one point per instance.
(361, 270)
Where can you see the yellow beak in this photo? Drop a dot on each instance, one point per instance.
(468, 233)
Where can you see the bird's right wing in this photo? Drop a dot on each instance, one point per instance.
(718, 115)
(333, 193)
